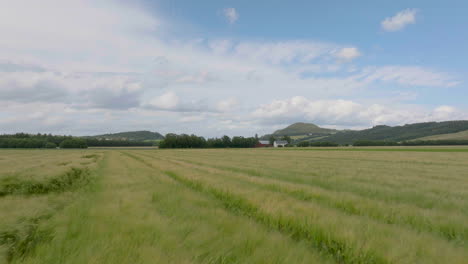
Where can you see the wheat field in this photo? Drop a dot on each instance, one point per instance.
(292, 205)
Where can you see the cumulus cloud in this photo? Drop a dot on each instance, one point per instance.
(227, 104)
(166, 101)
(231, 15)
(121, 57)
(348, 53)
(400, 20)
(32, 86)
(114, 93)
(345, 113)
(190, 119)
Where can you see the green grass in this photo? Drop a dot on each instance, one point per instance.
(234, 206)
(385, 149)
(463, 135)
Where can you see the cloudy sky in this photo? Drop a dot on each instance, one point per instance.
(215, 67)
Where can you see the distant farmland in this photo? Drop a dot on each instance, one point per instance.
(463, 135)
(287, 205)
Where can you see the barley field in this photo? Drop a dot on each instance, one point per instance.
(292, 205)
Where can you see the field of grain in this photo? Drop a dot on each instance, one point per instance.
(373, 205)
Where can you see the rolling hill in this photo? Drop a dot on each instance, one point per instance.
(131, 136)
(463, 135)
(396, 133)
(299, 129)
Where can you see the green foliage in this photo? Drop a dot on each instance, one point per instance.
(22, 140)
(95, 142)
(74, 143)
(64, 182)
(193, 141)
(131, 136)
(323, 144)
(434, 142)
(272, 139)
(303, 144)
(316, 144)
(287, 139)
(50, 145)
(366, 143)
(21, 241)
(398, 133)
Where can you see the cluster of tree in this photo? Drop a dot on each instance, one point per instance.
(131, 136)
(368, 143)
(94, 142)
(45, 138)
(25, 143)
(23, 140)
(73, 143)
(193, 141)
(445, 142)
(317, 144)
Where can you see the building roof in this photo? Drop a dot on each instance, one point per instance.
(264, 142)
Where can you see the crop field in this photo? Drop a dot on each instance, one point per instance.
(292, 205)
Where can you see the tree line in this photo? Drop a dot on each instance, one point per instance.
(193, 141)
(317, 144)
(23, 140)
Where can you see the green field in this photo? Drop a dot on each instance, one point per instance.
(463, 135)
(234, 206)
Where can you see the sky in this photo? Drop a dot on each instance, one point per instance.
(215, 67)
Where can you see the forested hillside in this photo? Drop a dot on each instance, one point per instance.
(297, 129)
(131, 135)
(398, 133)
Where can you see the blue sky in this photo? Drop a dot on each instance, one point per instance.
(229, 67)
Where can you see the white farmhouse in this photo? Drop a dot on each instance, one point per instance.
(280, 143)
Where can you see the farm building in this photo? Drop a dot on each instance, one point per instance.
(263, 144)
(280, 143)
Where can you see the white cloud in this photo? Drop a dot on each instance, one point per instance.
(400, 20)
(231, 15)
(190, 119)
(407, 75)
(348, 53)
(166, 101)
(32, 87)
(284, 51)
(346, 113)
(91, 60)
(445, 112)
(227, 104)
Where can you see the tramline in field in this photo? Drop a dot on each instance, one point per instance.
(234, 206)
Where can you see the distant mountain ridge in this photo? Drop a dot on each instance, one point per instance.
(143, 135)
(298, 129)
(395, 133)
